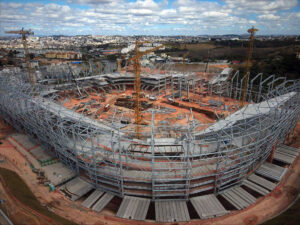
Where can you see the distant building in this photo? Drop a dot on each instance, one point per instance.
(63, 55)
(178, 59)
(235, 62)
(164, 55)
(33, 63)
(111, 52)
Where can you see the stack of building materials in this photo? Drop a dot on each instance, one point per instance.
(134, 208)
(208, 206)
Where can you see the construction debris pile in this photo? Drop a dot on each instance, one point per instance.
(128, 103)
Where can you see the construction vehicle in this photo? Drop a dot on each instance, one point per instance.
(24, 33)
(51, 187)
(137, 84)
(252, 32)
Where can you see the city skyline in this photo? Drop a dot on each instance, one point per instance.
(150, 17)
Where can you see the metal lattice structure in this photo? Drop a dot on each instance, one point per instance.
(168, 163)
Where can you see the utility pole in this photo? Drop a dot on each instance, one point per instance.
(24, 33)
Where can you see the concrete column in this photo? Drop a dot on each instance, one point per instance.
(119, 65)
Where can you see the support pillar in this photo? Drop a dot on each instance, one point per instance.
(271, 156)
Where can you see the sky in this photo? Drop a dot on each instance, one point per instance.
(150, 17)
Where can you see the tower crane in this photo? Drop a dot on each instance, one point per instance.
(183, 61)
(252, 32)
(137, 84)
(24, 33)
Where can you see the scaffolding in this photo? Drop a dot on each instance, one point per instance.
(163, 164)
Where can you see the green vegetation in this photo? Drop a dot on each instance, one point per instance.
(282, 64)
(259, 44)
(22, 192)
(269, 57)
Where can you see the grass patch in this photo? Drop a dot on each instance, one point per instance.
(22, 192)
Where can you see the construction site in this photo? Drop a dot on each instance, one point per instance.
(172, 146)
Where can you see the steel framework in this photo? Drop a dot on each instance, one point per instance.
(168, 163)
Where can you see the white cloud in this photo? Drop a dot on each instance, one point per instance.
(261, 5)
(268, 17)
(215, 14)
(92, 1)
(141, 12)
(186, 16)
(145, 4)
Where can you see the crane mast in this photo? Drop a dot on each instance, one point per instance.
(183, 61)
(252, 32)
(137, 89)
(137, 85)
(24, 33)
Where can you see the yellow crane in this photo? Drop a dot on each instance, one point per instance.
(24, 33)
(183, 61)
(137, 84)
(119, 62)
(252, 32)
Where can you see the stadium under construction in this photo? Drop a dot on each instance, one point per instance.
(199, 142)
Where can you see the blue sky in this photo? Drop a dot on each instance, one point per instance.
(150, 17)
